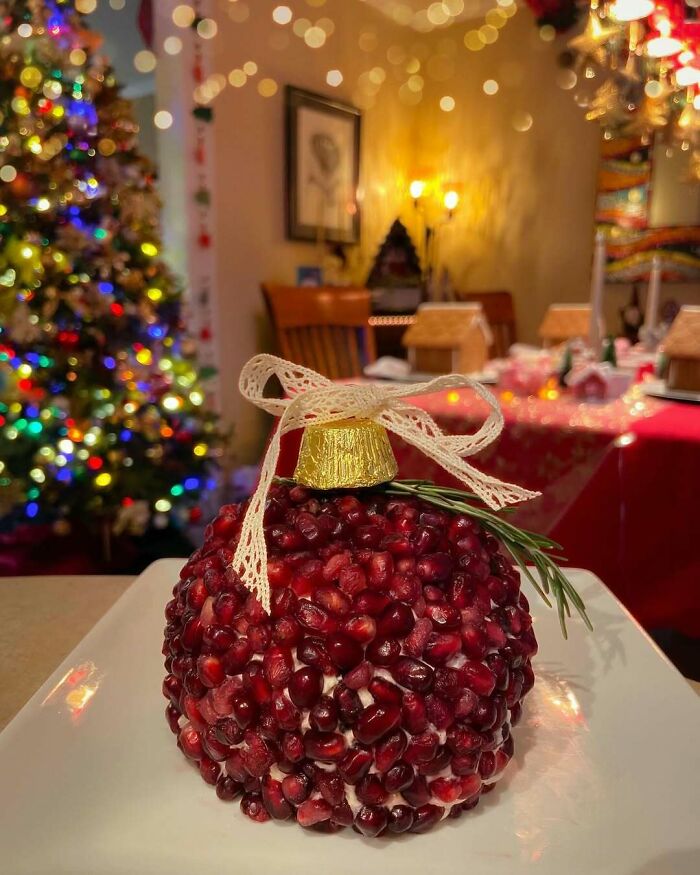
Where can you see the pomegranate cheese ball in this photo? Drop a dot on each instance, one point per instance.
(381, 689)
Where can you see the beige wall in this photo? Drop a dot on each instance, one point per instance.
(251, 244)
(526, 219)
(525, 223)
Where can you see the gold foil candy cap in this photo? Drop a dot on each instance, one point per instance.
(346, 454)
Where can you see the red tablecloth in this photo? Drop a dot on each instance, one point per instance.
(620, 485)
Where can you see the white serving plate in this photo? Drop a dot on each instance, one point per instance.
(605, 781)
(658, 389)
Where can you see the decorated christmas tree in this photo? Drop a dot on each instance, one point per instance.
(103, 414)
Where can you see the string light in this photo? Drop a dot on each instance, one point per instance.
(145, 61)
(282, 15)
(490, 87)
(163, 119)
(183, 15)
(447, 103)
(334, 78)
(172, 45)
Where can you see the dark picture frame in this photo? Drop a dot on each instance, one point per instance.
(323, 168)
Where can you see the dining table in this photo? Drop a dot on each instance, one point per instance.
(619, 483)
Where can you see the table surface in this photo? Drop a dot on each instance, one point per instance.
(43, 618)
(602, 780)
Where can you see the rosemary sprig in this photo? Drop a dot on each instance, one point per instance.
(526, 548)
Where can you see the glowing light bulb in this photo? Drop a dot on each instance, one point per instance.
(282, 15)
(686, 76)
(200, 449)
(149, 249)
(451, 200)
(631, 10)
(417, 189)
(163, 505)
(664, 45)
(103, 480)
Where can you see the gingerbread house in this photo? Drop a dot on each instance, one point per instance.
(682, 349)
(565, 322)
(448, 338)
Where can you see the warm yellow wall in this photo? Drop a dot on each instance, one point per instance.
(526, 220)
(250, 159)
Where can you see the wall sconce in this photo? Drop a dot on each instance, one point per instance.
(428, 198)
(417, 190)
(451, 202)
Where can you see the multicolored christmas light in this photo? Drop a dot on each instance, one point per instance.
(103, 415)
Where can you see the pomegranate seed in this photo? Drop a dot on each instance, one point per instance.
(380, 570)
(324, 715)
(293, 747)
(371, 820)
(342, 814)
(395, 621)
(285, 714)
(390, 750)
(422, 748)
(237, 656)
(296, 788)
(354, 765)
(414, 645)
(417, 793)
(313, 811)
(478, 678)
(462, 739)
(465, 763)
(383, 651)
(415, 718)
(361, 628)
(172, 715)
(230, 732)
(252, 806)
(440, 713)
(245, 709)
(426, 817)
(400, 819)
(413, 674)
(218, 638)
(286, 631)
(441, 647)
(259, 638)
(360, 676)
(311, 651)
(328, 747)
(443, 616)
(345, 652)
(278, 666)
(273, 799)
(376, 721)
(348, 702)
(335, 565)
(434, 567)
(370, 791)
(235, 768)
(405, 586)
(305, 687)
(172, 689)
(257, 756)
(398, 778)
(191, 742)
(227, 789)
(331, 787)
(209, 770)
(371, 602)
(447, 790)
(352, 580)
(385, 693)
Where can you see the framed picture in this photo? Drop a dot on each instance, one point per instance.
(323, 168)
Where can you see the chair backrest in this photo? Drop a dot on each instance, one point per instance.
(500, 314)
(323, 328)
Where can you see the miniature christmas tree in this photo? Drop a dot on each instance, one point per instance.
(103, 417)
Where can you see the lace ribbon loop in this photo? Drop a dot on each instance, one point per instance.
(314, 399)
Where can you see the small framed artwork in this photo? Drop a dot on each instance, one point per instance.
(323, 168)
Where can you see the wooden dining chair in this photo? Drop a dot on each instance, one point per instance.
(500, 314)
(323, 328)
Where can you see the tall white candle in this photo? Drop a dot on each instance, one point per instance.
(653, 295)
(597, 289)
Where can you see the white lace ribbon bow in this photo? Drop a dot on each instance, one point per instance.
(313, 399)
